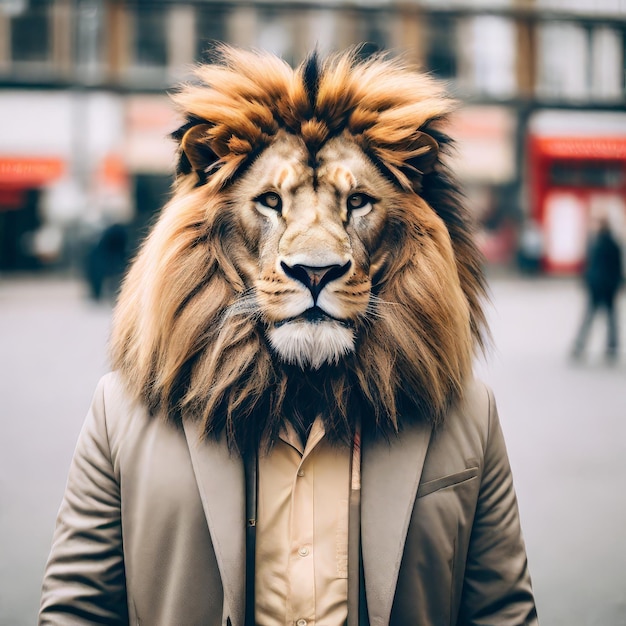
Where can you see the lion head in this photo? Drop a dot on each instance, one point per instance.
(315, 257)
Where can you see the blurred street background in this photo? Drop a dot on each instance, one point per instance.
(86, 163)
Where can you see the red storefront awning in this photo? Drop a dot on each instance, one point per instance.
(582, 147)
(30, 171)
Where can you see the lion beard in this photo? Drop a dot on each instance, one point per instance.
(310, 346)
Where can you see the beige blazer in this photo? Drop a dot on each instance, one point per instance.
(151, 530)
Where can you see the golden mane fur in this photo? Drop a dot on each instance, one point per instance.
(187, 337)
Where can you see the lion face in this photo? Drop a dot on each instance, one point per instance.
(316, 223)
(315, 257)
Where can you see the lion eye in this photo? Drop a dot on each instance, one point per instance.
(270, 200)
(360, 204)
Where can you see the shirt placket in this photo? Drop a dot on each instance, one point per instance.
(302, 549)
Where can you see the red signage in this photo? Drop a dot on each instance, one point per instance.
(30, 171)
(582, 147)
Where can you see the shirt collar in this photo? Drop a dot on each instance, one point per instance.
(290, 437)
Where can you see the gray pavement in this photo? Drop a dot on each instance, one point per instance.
(565, 426)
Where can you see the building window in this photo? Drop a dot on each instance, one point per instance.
(376, 32)
(89, 38)
(607, 63)
(150, 38)
(30, 36)
(275, 32)
(211, 28)
(441, 46)
(488, 45)
(563, 61)
(594, 174)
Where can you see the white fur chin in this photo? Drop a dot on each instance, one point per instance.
(311, 345)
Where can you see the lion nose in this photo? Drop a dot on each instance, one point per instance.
(315, 278)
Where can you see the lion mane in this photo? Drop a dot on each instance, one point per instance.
(188, 336)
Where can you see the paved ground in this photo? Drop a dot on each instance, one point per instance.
(565, 425)
(566, 431)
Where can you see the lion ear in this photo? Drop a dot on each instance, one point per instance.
(198, 150)
(424, 152)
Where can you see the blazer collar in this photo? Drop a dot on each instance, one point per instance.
(221, 482)
(390, 475)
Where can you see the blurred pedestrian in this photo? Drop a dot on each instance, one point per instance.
(106, 260)
(530, 250)
(603, 277)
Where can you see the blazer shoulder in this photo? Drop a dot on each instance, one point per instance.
(114, 392)
(112, 384)
(477, 402)
(473, 415)
(116, 409)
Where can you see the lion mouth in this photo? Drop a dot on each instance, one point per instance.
(314, 315)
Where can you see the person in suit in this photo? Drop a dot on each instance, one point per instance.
(292, 433)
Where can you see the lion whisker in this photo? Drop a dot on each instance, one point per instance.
(246, 305)
(376, 304)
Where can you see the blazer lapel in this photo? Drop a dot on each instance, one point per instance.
(221, 482)
(390, 475)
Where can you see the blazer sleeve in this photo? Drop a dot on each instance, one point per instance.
(497, 587)
(84, 580)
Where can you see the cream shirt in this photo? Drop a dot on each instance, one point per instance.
(301, 574)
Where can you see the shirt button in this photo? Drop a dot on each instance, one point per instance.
(301, 622)
(300, 473)
(303, 551)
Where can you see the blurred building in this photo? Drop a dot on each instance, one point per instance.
(85, 117)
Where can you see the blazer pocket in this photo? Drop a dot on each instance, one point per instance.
(446, 481)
